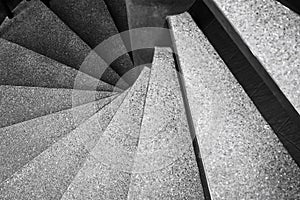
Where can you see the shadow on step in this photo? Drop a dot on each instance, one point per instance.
(275, 109)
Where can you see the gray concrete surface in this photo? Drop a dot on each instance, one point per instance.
(92, 22)
(242, 156)
(20, 66)
(49, 174)
(106, 174)
(20, 103)
(22, 142)
(165, 166)
(152, 13)
(272, 33)
(39, 29)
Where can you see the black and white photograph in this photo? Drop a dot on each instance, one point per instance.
(149, 99)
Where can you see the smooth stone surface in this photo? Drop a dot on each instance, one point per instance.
(21, 142)
(20, 66)
(272, 33)
(106, 174)
(20, 103)
(242, 156)
(92, 22)
(37, 28)
(165, 166)
(49, 174)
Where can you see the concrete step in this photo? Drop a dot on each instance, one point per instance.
(242, 156)
(20, 103)
(106, 174)
(270, 42)
(118, 11)
(92, 22)
(147, 14)
(265, 99)
(49, 174)
(22, 142)
(37, 28)
(22, 67)
(165, 166)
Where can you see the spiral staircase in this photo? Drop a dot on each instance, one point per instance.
(205, 107)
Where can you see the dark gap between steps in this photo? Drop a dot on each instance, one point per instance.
(195, 143)
(267, 97)
(294, 5)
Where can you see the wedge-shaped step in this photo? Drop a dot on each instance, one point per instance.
(118, 11)
(106, 174)
(243, 157)
(272, 34)
(165, 166)
(21, 142)
(145, 15)
(39, 29)
(91, 20)
(49, 174)
(22, 67)
(20, 104)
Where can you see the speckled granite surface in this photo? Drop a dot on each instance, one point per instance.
(91, 20)
(106, 174)
(22, 67)
(39, 29)
(165, 166)
(242, 156)
(21, 142)
(49, 174)
(20, 103)
(272, 32)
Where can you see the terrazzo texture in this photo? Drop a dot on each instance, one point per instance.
(22, 67)
(39, 29)
(106, 174)
(272, 32)
(49, 174)
(165, 166)
(21, 142)
(20, 103)
(242, 156)
(92, 22)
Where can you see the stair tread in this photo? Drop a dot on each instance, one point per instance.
(20, 66)
(241, 153)
(272, 35)
(106, 174)
(48, 175)
(118, 11)
(91, 20)
(165, 166)
(22, 142)
(37, 28)
(19, 103)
